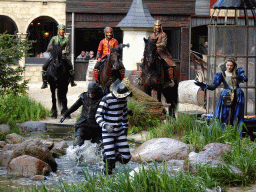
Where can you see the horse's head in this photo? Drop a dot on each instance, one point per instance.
(149, 51)
(56, 54)
(114, 58)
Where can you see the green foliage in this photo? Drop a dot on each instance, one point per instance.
(16, 106)
(149, 179)
(139, 121)
(11, 48)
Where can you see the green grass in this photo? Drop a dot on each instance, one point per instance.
(17, 108)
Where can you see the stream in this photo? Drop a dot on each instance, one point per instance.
(71, 166)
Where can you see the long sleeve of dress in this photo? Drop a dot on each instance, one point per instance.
(218, 78)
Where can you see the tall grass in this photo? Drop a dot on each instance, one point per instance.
(149, 179)
(16, 108)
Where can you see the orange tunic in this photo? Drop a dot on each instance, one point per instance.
(104, 47)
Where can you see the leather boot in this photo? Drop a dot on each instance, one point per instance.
(78, 141)
(95, 74)
(44, 77)
(170, 74)
(73, 84)
(109, 166)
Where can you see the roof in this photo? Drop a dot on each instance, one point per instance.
(137, 16)
(235, 4)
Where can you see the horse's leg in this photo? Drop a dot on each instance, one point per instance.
(148, 90)
(159, 95)
(54, 106)
(171, 95)
(62, 97)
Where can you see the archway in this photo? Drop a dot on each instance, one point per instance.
(7, 25)
(40, 31)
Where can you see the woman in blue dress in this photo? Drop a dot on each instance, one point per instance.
(230, 105)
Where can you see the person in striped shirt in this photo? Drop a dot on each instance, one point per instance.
(112, 117)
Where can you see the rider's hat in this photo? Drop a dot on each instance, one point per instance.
(119, 89)
(61, 28)
(158, 24)
(108, 31)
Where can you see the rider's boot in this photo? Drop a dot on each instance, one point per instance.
(170, 74)
(122, 73)
(95, 74)
(73, 84)
(44, 77)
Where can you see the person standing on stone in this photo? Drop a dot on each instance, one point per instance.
(86, 126)
(112, 117)
(230, 105)
(64, 43)
(104, 50)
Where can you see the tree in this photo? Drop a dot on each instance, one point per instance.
(12, 49)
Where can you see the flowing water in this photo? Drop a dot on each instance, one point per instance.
(71, 166)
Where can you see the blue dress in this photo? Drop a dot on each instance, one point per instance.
(235, 113)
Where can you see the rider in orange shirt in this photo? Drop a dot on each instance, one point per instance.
(104, 50)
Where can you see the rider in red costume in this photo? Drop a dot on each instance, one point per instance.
(104, 50)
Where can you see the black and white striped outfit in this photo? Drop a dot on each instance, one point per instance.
(113, 111)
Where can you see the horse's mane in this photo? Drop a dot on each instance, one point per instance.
(56, 52)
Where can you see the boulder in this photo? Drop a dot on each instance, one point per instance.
(35, 148)
(211, 155)
(10, 147)
(5, 128)
(14, 138)
(160, 149)
(26, 165)
(59, 149)
(38, 178)
(212, 151)
(5, 157)
(2, 144)
(32, 126)
(48, 144)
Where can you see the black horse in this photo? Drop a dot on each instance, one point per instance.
(58, 78)
(154, 76)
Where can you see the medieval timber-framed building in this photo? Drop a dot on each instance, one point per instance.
(89, 18)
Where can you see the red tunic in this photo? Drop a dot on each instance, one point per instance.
(104, 46)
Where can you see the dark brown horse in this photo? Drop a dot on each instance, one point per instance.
(154, 76)
(111, 69)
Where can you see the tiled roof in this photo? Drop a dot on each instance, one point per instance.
(137, 16)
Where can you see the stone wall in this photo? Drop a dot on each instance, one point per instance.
(33, 73)
(23, 13)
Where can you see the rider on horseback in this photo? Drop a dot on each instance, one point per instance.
(64, 43)
(162, 50)
(104, 50)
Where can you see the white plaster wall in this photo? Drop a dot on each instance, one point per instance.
(133, 54)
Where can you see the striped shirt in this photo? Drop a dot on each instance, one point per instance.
(112, 111)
